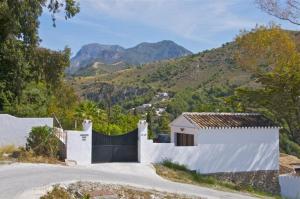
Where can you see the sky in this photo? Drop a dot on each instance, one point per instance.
(196, 25)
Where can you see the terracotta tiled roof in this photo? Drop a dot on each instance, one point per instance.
(223, 120)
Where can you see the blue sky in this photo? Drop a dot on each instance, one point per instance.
(195, 24)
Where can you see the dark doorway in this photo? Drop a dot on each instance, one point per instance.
(121, 148)
(184, 139)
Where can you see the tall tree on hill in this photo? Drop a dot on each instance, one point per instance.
(163, 123)
(108, 90)
(270, 53)
(19, 42)
(149, 119)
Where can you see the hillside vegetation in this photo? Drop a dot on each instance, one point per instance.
(241, 76)
(207, 69)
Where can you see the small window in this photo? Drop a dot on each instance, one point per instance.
(184, 139)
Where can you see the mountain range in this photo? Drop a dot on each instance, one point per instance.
(210, 68)
(205, 70)
(110, 58)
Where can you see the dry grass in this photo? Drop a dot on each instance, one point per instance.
(30, 157)
(287, 162)
(183, 175)
(12, 154)
(57, 192)
(5, 151)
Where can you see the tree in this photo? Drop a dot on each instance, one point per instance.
(63, 103)
(108, 90)
(19, 44)
(266, 49)
(270, 54)
(116, 124)
(164, 122)
(49, 66)
(20, 19)
(33, 102)
(149, 119)
(289, 10)
(87, 110)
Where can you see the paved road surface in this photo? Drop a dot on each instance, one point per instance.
(25, 181)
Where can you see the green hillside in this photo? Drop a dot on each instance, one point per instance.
(207, 69)
(199, 82)
(98, 68)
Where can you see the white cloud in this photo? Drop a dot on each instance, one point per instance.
(197, 20)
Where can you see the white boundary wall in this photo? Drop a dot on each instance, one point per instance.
(79, 145)
(290, 186)
(227, 150)
(14, 130)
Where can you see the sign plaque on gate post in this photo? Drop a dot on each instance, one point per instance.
(83, 136)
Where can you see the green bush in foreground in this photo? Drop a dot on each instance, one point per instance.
(43, 142)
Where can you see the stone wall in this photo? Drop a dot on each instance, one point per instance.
(267, 181)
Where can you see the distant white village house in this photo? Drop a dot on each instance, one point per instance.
(159, 111)
(162, 95)
(147, 105)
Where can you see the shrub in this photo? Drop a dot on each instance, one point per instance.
(43, 142)
(184, 173)
(172, 165)
(57, 192)
(288, 146)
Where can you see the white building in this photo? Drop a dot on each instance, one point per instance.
(239, 147)
(219, 142)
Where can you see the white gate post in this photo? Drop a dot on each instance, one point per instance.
(79, 145)
(142, 139)
(88, 129)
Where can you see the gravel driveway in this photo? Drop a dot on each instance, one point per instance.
(25, 181)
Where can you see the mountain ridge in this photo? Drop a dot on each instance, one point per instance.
(145, 52)
(204, 70)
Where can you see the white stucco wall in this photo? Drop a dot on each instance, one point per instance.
(290, 186)
(219, 150)
(79, 145)
(14, 130)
